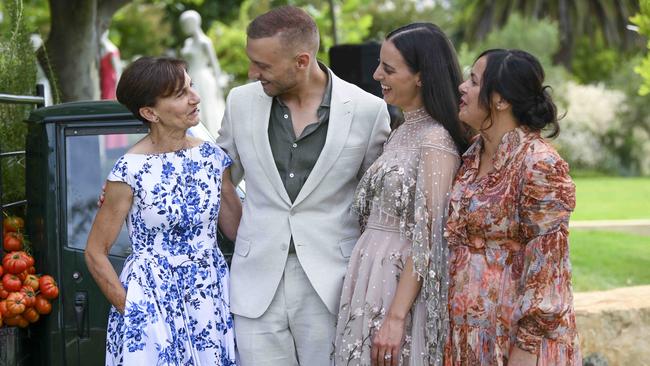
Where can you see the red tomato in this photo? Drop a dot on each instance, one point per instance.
(28, 258)
(48, 287)
(3, 308)
(31, 315)
(0, 320)
(42, 305)
(14, 262)
(11, 282)
(2, 271)
(13, 224)
(22, 275)
(31, 270)
(11, 320)
(12, 242)
(17, 320)
(30, 296)
(3, 293)
(31, 281)
(15, 303)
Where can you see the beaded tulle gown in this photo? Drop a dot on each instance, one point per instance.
(401, 201)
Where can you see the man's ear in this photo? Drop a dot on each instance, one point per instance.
(302, 60)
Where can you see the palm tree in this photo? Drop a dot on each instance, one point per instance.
(576, 18)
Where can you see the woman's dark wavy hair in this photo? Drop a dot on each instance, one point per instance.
(518, 77)
(427, 50)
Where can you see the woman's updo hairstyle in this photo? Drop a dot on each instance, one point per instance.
(518, 77)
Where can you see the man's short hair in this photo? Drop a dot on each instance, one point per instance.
(296, 28)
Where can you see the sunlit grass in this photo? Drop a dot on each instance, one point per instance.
(604, 260)
(612, 198)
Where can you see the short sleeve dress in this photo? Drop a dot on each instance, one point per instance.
(177, 306)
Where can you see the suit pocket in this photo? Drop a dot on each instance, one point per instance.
(242, 247)
(347, 245)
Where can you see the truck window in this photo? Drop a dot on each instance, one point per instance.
(89, 159)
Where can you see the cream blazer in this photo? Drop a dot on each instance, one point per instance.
(323, 229)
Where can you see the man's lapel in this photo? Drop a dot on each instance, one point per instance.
(340, 121)
(261, 114)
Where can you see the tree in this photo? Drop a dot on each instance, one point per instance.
(575, 19)
(642, 20)
(72, 48)
(230, 39)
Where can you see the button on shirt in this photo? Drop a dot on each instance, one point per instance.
(295, 157)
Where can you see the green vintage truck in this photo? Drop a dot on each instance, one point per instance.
(70, 149)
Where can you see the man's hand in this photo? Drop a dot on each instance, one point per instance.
(100, 201)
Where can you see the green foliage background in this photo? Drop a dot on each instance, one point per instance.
(642, 20)
(17, 76)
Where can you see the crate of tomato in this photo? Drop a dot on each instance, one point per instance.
(25, 295)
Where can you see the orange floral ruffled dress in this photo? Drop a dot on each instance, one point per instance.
(510, 275)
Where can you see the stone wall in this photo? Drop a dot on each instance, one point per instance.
(615, 325)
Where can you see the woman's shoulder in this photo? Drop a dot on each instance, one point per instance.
(540, 150)
(436, 135)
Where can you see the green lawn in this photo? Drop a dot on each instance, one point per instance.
(604, 260)
(616, 198)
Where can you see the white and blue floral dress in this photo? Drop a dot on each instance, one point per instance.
(177, 305)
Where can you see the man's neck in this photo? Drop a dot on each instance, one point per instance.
(311, 86)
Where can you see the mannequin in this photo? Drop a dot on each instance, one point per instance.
(37, 42)
(204, 70)
(110, 67)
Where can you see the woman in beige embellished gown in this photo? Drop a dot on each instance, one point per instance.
(393, 307)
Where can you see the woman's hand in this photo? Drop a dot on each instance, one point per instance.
(387, 343)
(519, 357)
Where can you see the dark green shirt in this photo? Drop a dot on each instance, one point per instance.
(295, 157)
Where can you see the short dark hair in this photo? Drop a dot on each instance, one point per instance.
(518, 77)
(295, 27)
(427, 50)
(148, 79)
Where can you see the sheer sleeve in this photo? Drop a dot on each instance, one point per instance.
(546, 202)
(438, 164)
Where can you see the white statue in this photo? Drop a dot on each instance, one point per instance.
(37, 42)
(204, 70)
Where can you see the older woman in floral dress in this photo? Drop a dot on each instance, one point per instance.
(510, 296)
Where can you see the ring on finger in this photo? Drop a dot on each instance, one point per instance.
(388, 356)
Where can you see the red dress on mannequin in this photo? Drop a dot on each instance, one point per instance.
(108, 74)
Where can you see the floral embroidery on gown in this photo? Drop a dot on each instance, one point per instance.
(177, 306)
(402, 202)
(510, 275)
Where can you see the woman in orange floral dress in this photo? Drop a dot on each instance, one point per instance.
(510, 296)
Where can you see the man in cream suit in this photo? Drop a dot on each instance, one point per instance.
(301, 138)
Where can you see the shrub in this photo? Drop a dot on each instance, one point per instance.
(17, 76)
